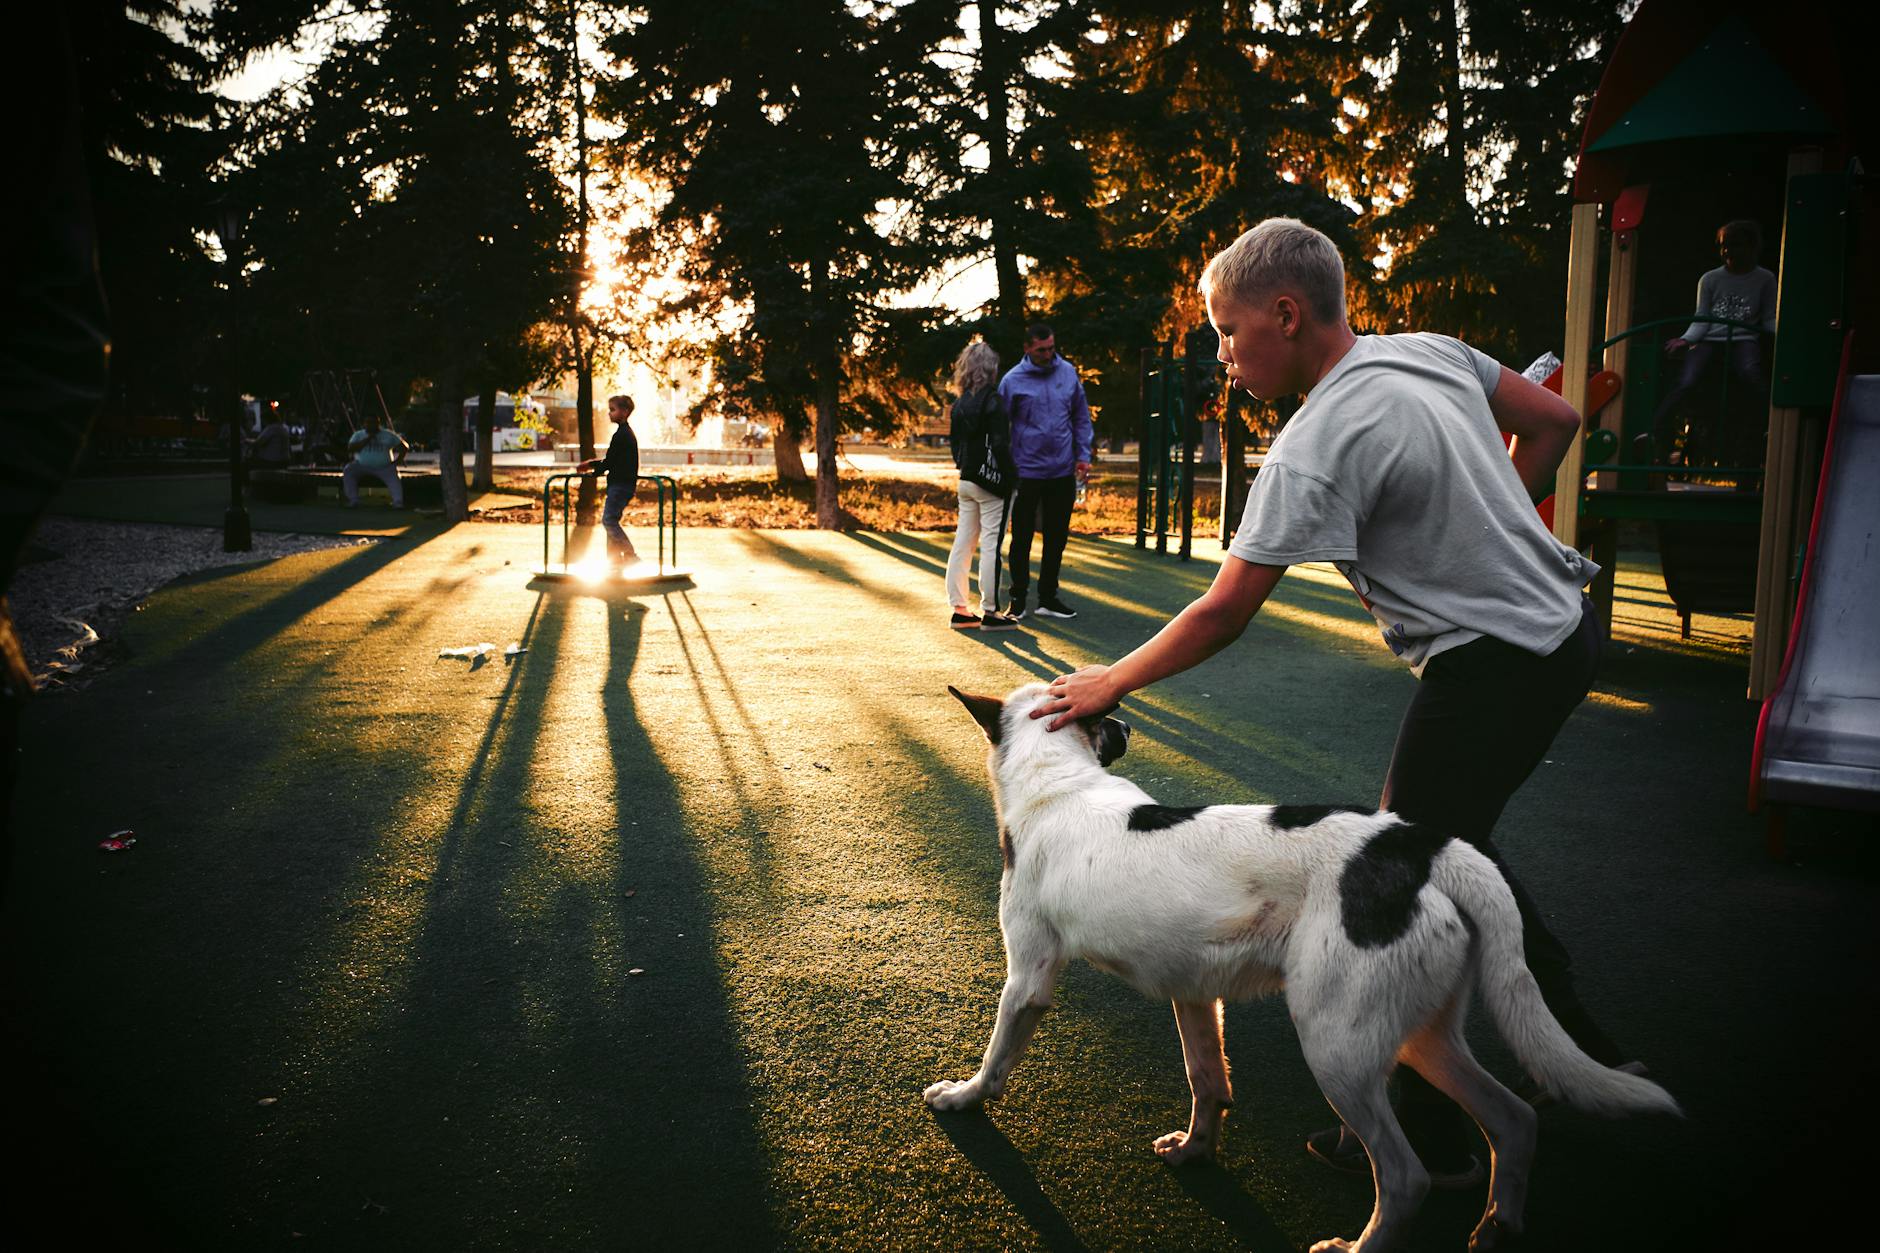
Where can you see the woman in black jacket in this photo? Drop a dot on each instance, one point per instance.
(981, 439)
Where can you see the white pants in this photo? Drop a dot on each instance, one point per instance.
(982, 520)
(388, 475)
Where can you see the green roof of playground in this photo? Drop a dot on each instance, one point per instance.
(1729, 85)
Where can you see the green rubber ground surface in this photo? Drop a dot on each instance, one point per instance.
(651, 939)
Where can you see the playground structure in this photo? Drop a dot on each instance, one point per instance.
(1777, 147)
(1779, 144)
(1818, 739)
(339, 401)
(666, 527)
(1174, 391)
(1167, 441)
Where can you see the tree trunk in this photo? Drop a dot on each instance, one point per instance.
(789, 450)
(583, 344)
(828, 387)
(995, 86)
(1456, 137)
(482, 479)
(450, 443)
(827, 373)
(584, 423)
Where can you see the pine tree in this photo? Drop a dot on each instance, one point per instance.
(406, 209)
(1198, 120)
(781, 140)
(1001, 176)
(1466, 124)
(150, 123)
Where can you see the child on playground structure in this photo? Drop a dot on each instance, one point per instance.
(1394, 471)
(1741, 291)
(622, 464)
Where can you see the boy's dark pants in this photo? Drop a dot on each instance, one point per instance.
(1055, 498)
(1482, 718)
(620, 489)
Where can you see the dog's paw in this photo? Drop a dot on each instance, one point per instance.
(953, 1094)
(1334, 1245)
(1178, 1146)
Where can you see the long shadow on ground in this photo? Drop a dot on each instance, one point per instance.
(414, 960)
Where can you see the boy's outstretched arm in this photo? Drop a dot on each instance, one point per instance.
(1208, 625)
(1543, 425)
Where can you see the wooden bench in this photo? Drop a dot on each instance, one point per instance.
(424, 489)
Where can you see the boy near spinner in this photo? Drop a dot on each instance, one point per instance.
(622, 464)
(1394, 470)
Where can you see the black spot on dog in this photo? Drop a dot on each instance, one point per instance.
(1161, 817)
(1378, 890)
(1292, 817)
(1006, 849)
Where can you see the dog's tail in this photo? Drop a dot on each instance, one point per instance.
(1476, 886)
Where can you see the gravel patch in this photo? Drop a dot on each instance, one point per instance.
(82, 578)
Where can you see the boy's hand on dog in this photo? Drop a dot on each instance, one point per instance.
(1087, 693)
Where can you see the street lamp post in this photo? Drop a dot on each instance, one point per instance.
(237, 533)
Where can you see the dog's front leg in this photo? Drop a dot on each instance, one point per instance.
(1206, 1058)
(1027, 994)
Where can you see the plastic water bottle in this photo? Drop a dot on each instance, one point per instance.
(1082, 484)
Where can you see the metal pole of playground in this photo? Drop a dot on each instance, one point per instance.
(1142, 447)
(237, 531)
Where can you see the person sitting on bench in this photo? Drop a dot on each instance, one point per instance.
(376, 451)
(272, 448)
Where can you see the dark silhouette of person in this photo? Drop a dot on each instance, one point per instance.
(1744, 292)
(54, 342)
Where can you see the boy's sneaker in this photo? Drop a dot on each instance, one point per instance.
(964, 621)
(996, 621)
(1052, 607)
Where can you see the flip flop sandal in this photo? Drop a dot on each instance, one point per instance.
(1346, 1155)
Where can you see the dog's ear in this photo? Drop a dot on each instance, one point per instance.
(986, 710)
(1111, 736)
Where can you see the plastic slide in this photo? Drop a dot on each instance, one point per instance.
(1818, 741)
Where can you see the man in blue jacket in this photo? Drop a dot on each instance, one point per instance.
(1051, 444)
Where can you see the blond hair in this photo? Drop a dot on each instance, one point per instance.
(1281, 256)
(975, 369)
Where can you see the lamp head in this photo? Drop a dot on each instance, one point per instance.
(230, 215)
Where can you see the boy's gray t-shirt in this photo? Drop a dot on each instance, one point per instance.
(1395, 472)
